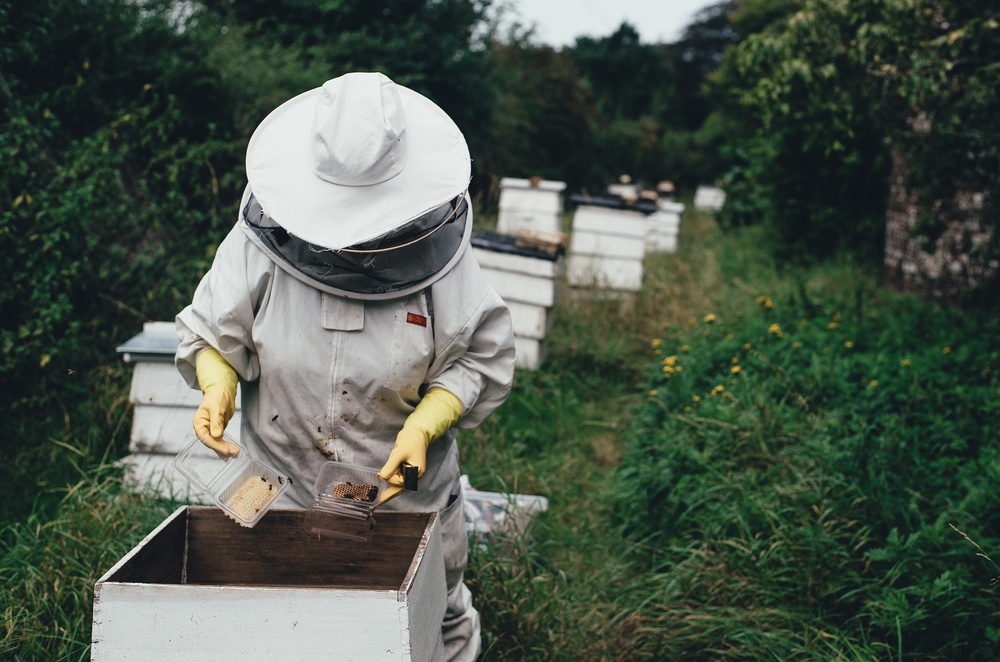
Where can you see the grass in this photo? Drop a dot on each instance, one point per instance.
(798, 513)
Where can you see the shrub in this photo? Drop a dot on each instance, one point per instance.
(799, 473)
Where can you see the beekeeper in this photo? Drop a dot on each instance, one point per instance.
(348, 305)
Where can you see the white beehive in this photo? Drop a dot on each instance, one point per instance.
(163, 406)
(709, 198)
(663, 227)
(606, 248)
(527, 280)
(200, 587)
(530, 204)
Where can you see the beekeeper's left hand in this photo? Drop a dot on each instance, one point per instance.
(434, 415)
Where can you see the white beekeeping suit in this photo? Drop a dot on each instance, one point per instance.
(347, 292)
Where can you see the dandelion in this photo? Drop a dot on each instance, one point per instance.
(716, 390)
(796, 345)
(837, 318)
(736, 370)
(664, 326)
(765, 302)
(831, 326)
(657, 351)
(679, 368)
(774, 330)
(729, 336)
(670, 360)
(696, 398)
(685, 349)
(873, 384)
(735, 359)
(905, 363)
(656, 342)
(710, 318)
(746, 346)
(848, 344)
(946, 350)
(687, 410)
(653, 393)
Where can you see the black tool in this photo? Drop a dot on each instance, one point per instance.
(409, 472)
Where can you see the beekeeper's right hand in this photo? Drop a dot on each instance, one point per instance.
(218, 381)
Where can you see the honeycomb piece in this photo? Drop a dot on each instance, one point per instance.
(255, 493)
(356, 492)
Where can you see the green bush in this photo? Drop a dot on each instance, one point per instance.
(798, 473)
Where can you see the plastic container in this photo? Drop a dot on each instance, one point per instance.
(346, 495)
(244, 488)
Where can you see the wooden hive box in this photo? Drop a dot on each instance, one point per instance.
(606, 248)
(527, 280)
(530, 204)
(162, 408)
(200, 587)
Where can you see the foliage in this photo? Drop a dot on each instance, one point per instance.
(49, 565)
(797, 473)
(114, 179)
(831, 88)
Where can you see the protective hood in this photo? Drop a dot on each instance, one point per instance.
(396, 264)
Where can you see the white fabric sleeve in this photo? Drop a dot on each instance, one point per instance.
(475, 361)
(221, 313)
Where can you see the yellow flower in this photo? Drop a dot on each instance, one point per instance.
(746, 345)
(679, 368)
(735, 359)
(774, 330)
(709, 318)
(796, 345)
(831, 326)
(905, 363)
(670, 360)
(653, 393)
(664, 326)
(685, 349)
(765, 302)
(848, 344)
(657, 351)
(692, 321)
(947, 349)
(873, 383)
(729, 336)
(837, 318)
(655, 343)
(696, 398)
(687, 410)
(718, 389)
(736, 370)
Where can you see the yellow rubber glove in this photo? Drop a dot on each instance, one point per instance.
(218, 381)
(435, 414)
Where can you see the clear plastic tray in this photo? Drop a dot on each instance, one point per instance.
(346, 495)
(244, 488)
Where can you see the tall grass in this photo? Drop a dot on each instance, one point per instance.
(834, 500)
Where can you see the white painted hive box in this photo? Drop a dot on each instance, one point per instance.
(606, 248)
(709, 198)
(664, 227)
(530, 204)
(200, 587)
(527, 280)
(162, 408)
